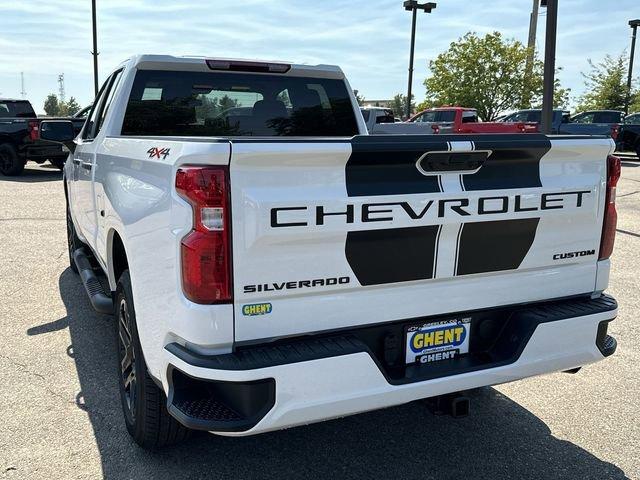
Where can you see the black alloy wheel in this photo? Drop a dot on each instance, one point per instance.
(126, 355)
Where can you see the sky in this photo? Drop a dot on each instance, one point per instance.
(369, 39)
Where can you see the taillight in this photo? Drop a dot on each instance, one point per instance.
(206, 250)
(34, 130)
(244, 66)
(615, 129)
(610, 214)
(436, 129)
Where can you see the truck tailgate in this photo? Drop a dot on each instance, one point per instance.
(330, 234)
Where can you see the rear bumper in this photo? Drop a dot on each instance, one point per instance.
(261, 389)
(43, 151)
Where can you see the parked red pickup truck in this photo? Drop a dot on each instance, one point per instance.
(465, 120)
(453, 120)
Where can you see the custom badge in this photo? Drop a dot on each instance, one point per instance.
(437, 341)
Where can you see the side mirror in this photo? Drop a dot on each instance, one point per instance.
(58, 131)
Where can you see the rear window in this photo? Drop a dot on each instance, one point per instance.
(197, 104)
(16, 110)
(386, 116)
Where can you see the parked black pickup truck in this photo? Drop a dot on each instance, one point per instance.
(629, 137)
(20, 138)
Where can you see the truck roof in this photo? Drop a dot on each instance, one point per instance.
(199, 63)
(607, 111)
(539, 110)
(452, 107)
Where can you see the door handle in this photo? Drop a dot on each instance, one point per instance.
(439, 162)
(87, 165)
(76, 161)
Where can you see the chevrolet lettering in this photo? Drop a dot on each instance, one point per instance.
(301, 216)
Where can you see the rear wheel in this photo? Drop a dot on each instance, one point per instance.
(10, 163)
(144, 404)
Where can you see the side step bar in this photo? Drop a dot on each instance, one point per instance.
(101, 302)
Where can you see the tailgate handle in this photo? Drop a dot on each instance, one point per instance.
(436, 162)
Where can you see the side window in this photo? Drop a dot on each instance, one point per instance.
(284, 97)
(535, 116)
(584, 118)
(518, 117)
(632, 119)
(607, 117)
(446, 116)
(469, 117)
(87, 132)
(107, 100)
(429, 116)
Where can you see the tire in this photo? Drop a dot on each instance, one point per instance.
(10, 164)
(73, 241)
(58, 162)
(144, 405)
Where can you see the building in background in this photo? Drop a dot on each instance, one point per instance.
(377, 103)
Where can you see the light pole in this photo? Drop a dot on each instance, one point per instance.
(95, 48)
(413, 6)
(549, 65)
(531, 51)
(634, 25)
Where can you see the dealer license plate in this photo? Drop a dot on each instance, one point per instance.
(437, 341)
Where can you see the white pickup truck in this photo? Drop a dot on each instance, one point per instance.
(270, 264)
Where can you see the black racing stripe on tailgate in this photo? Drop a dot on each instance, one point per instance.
(514, 163)
(495, 246)
(386, 164)
(394, 255)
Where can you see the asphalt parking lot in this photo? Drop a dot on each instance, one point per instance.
(61, 415)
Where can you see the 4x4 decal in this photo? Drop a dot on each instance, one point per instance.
(156, 152)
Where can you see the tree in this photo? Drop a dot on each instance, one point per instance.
(360, 98)
(226, 102)
(55, 108)
(425, 105)
(560, 96)
(606, 85)
(399, 105)
(73, 106)
(488, 74)
(51, 105)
